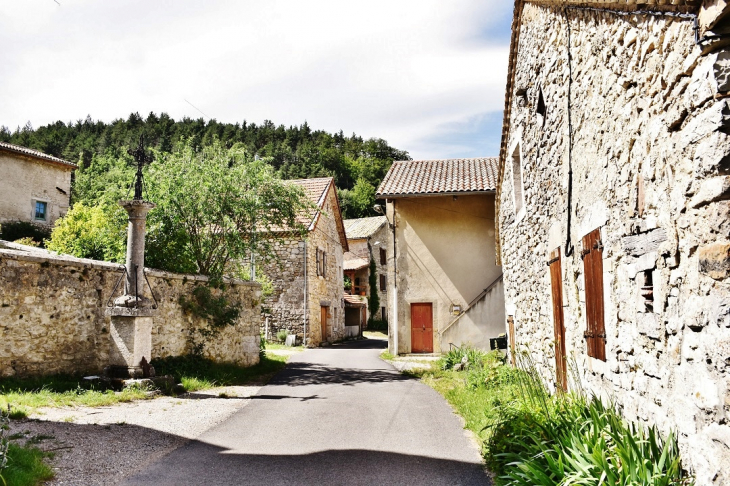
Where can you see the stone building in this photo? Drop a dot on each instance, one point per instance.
(307, 274)
(34, 187)
(613, 209)
(446, 288)
(367, 239)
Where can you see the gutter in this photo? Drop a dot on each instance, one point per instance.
(395, 287)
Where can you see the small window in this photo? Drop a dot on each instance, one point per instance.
(383, 316)
(518, 188)
(40, 211)
(383, 259)
(321, 263)
(382, 283)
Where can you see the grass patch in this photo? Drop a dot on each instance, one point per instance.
(26, 466)
(198, 373)
(26, 395)
(283, 347)
(385, 355)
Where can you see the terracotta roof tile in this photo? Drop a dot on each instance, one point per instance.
(354, 301)
(35, 154)
(363, 227)
(410, 177)
(354, 264)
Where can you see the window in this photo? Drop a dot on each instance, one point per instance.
(383, 315)
(382, 283)
(383, 259)
(40, 211)
(518, 188)
(592, 255)
(321, 263)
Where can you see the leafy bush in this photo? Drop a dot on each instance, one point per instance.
(4, 425)
(378, 325)
(16, 230)
(281, 335)
(28, 241)
(474, 358)
(544, 439)
(96, 232)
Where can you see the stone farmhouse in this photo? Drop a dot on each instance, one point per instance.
(307, 276)
(34, 187)
(613, 211)
(446, 288)
(367, 239)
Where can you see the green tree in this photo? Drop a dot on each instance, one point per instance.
(213, 206)
(374, 299)
(96, 232)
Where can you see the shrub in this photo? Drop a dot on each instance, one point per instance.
(378, 325)
(474, 358)
(282, 334)
(16, 230)
(96, 232)
(544, 439)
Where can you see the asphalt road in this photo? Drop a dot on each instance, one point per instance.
(338, 416)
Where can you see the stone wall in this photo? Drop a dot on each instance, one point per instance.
(52, 314)
(286, 306)
(649, 158)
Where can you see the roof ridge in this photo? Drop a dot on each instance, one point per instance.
(19, 149)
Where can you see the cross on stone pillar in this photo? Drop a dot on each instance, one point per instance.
(131, 316)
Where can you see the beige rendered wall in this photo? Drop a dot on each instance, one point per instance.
(25, 179)
(445, 255)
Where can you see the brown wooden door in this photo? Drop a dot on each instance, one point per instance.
(556, 281)
(422, 328)
(595, 334)
(323, 321)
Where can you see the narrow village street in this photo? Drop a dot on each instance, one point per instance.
(337, 415)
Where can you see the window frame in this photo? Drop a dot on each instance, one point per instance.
(34, 205)
(383, 283)
(383, 256)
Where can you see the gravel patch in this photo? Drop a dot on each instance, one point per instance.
(103, 445)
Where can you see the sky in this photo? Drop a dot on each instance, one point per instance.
(428, 76)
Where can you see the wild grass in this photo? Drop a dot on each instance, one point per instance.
(198, 373)
(26, 466)
(531, 436)
(26, 395)
(195, 373)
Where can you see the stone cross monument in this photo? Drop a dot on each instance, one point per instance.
(131, 316)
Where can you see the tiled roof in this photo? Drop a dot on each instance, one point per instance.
(35, 154)
(411, 177)
(354, 300)
(363, 227)
(317, 190)
(354, 264)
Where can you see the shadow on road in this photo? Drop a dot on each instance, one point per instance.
(297, 374)
(201, 463)
(362, 344)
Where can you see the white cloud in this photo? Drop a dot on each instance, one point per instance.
(397, 69)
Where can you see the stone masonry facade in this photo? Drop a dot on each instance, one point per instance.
(286, 306)
(648, 112)
(52, 315)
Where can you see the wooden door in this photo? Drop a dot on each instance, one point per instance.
(323, 321)
(595, 334)
(422, 328)
(556, 281)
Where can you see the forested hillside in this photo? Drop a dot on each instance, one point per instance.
(295, 152)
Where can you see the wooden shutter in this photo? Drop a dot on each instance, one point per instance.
(383, 259)
(319, 272)
(556, 283)
(324, 264)
(595, 334)
(382, 283)
(512, 346)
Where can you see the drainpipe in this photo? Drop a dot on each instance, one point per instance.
(304, 335)
(395, 287)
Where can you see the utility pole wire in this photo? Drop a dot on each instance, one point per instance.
(186, 101)
(57, 2)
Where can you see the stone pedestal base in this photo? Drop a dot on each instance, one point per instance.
(131, 343)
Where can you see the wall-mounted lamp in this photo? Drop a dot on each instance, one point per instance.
(378, 208)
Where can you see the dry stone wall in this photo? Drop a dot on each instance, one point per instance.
(285, 307)
(649, 157)
(52, 315)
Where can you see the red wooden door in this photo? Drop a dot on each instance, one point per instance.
(422, 328)
(556, 280)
